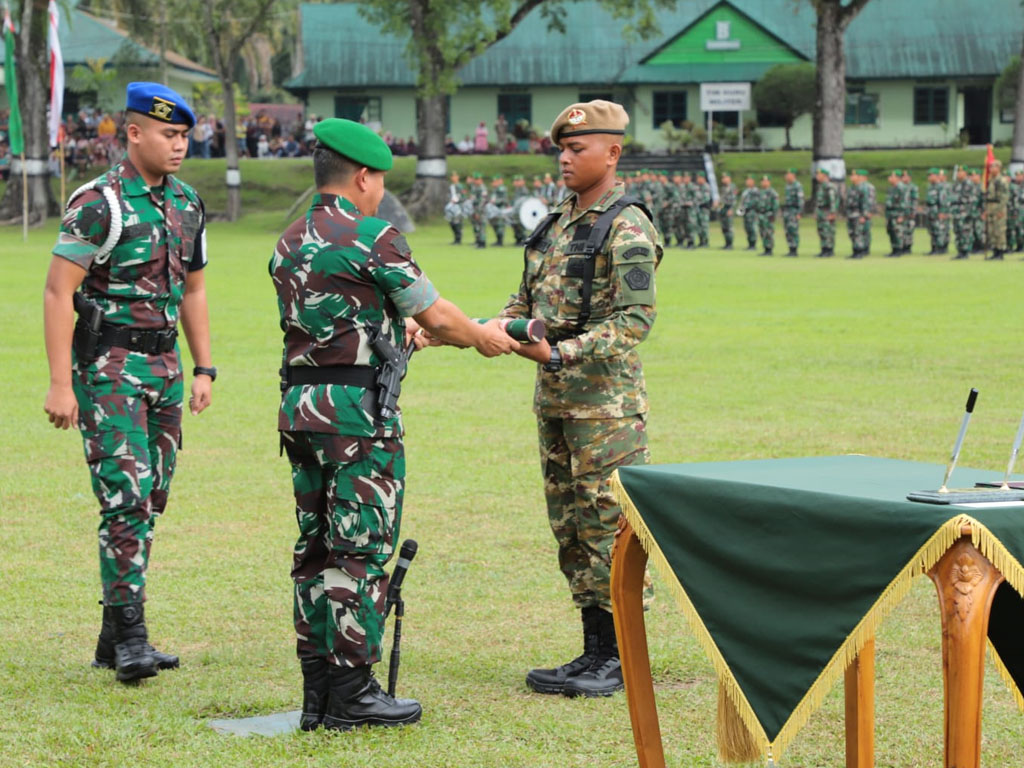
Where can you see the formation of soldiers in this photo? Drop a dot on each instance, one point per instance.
(974, 219)
(483, 204)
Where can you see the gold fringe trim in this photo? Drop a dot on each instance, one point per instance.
(1004, 673)
(922, 561)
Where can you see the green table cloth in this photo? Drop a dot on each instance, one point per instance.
(785, 567)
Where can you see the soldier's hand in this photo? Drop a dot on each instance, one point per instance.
(202, 390)
(539, 352)
(419, 337)
(61, 406)
(493, 341)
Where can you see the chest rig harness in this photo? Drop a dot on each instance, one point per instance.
(589, 240)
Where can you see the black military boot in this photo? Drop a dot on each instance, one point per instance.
(792, 252)
(604, 676)
(728, 245)
(356, 699)
(959, 255)
(104, 656)
(499, 240)
(133, 655)
(316, 685)
(996, 256)
(554, 680)
(767, 252)
(456, 234)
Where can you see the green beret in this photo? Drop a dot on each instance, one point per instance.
(897, 172)
(354, 141)
(791, 170)
(478, 175)
(700, 175)
(861, 172)
(933, 171)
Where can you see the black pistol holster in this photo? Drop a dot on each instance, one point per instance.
(88, 328)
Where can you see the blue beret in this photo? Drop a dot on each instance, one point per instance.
(159, 102)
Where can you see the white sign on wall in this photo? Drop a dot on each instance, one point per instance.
(724, 97)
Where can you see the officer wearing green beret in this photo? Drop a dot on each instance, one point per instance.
(792, 210)
(348, 290)
(589, 275)
(860, 206)
(748, 210)
(826, 208)
(894, 207)
(911, 198)
(702, 208)
(767, 208)
(130, 260)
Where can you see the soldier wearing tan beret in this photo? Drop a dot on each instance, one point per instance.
(589, 276)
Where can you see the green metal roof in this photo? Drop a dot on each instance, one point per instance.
(888, 39)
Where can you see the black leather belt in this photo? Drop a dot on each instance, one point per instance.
(149, 340)
(349, 375)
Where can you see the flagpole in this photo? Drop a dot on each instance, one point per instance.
(63, 195)
(24, 199)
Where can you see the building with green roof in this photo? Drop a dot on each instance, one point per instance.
(918, 71)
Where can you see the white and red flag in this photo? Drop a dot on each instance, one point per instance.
(56, 76)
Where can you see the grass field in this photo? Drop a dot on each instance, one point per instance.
(750, 357)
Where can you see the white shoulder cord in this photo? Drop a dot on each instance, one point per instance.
(116, 225)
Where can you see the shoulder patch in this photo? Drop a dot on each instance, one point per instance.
(638, 279)
(638, 251)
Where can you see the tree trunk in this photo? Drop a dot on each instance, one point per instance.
(1017, 155)
(33, 68)
(789, 144)
(234, 175)
(429, 191)
(830, 105)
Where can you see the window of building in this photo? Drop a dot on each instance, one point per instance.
(362, 109)
(669, 105)
(931, 105)
(594, 95)
(724, 119)
(516, 107)
(861, 108)
(767, 119)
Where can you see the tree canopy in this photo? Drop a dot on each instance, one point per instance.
(787, 91)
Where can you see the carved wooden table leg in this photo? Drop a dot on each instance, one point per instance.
(966, 582)
(860, 709)
(628, 562)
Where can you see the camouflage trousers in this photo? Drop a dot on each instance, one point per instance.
(1015, 231)
(860, 233)
(963, 230)
(131, 431)
(894, 229)
(995, 227)
(479, 225)
(766, 226)
(498, 225)
(791, 226)
(703, 216)
(938, 230)
(750, 227)
(826, 233)
(577, 458)
(348, 506)
(980, 240)
(907, 227)
(666, 223)
(686, 225)
(725, 219)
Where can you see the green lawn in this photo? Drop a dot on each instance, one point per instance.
(750, 357)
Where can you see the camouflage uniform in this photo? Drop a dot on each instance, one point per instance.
(826, 208)
(963, 227)
(478, 217)
(894, 209)
(591, 414)
(726, 209)
(997, 198)
(130, 403)
(667, 207)
(978, 223)
(860, 204)
(519, 192)
(792, 207)
(686, 229)
(338, 274)
(767, 208)
(748, 210)
(937, 206)
(911, 197)
(453, 209)
(496, 211)
(702, 209)
(1015, 216)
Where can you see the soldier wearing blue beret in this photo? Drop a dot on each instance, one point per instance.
(129, 259)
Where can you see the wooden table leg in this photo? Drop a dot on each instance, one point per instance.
(860, 709)
(966, 582)
(628, 562)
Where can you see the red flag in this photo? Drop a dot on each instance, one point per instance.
(989, 159)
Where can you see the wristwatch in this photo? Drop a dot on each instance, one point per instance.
(555, 363)
(201, 371)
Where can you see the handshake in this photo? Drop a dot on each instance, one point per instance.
(490, 337)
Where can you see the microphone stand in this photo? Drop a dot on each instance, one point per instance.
(396, 645)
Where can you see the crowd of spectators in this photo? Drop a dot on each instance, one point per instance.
(96, 139)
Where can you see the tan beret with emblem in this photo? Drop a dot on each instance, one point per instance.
(597, 116)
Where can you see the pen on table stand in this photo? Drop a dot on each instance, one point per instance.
(971, 399)
(1013, 454)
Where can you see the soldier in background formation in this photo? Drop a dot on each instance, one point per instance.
(826, 208)
(894, 207)
(497, 204)
(936, 201)
(860, 204)
(453, 208)
(767, 207)
(1015, 214)
(997, 199)
(726, 207)
(977, 208)
(911, 197)
(748, 210)
(702, 209)
(792, 208)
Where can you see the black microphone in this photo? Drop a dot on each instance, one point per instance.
(405, 556)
